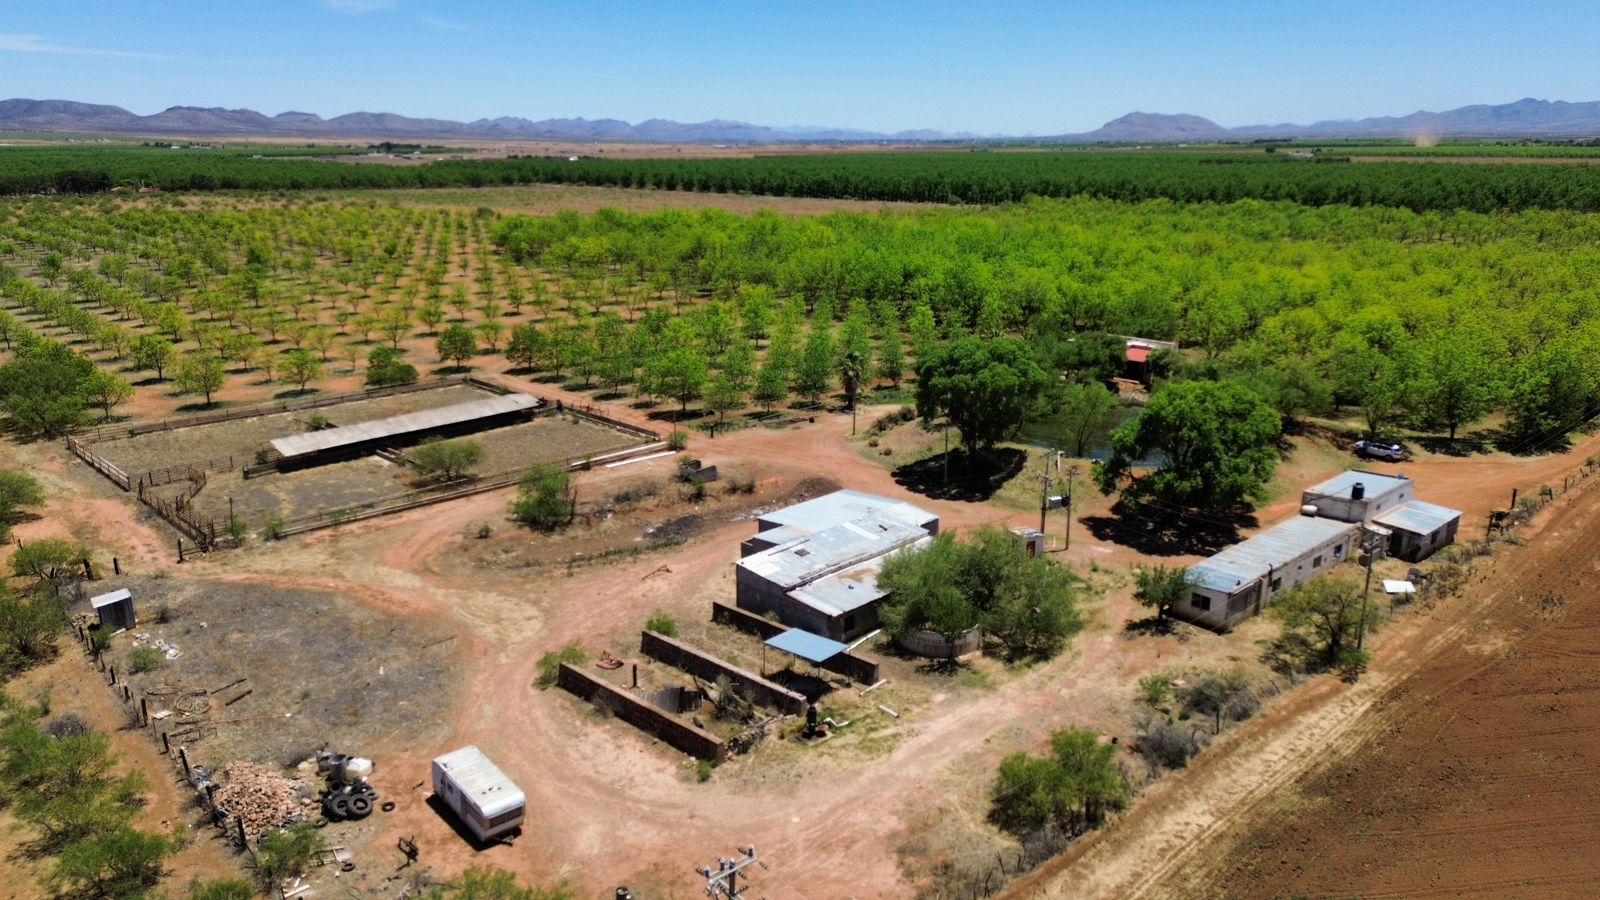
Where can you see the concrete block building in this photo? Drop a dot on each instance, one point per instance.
(1244, 579)
(815, 564)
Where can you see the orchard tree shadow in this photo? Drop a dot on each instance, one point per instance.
(971, 478)
(1160, 531)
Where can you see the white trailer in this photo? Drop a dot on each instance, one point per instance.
(481, 795)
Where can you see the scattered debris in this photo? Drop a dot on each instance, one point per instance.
(888, 710)
(143, 639)
(880, 684)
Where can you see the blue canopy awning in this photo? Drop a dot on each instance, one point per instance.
(810, 647)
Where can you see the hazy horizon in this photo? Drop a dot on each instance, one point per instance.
(1015, 69)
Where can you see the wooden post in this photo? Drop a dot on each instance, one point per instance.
(1513, 499)
(244, 842)
(127, 694)
(166, 745)
(116, 566)
(88, 569)
(113, 670)
(211, 795)
(635, 674)
(183, 757)
(144, 710)
(180, 550)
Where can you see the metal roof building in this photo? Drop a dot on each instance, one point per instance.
(816, 564)
(475, 788)
(1419, 517)
(403, 427)
(1273, 549)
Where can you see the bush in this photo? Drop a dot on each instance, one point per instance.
(702, 770)
(288, 852)
(549, 665)
(273, 530)
(119, 863)
(1165, 745)
(1155, 690)
(30, 625)
(1353, 664)
(1073, 786)
(661, 623)
(145, 659)
(221, 889)
(678, 441)
(448, 460)
(544, 500)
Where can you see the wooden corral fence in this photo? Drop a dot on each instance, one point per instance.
(593, 413)
(848, 664)
(640, 714)
(461, 487)
(102, 465)
(158, 477)
(180, 515)
(695, 662)
(103, 433)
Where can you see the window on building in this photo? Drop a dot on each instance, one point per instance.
(849, 622)
(1338, 551)
(1277, 585)
(1200, 602)
(1316, 562)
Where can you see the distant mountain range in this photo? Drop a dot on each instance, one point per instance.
(1524, 118)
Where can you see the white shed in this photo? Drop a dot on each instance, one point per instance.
(481, 795)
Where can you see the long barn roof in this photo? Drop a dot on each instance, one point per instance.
(399, 426)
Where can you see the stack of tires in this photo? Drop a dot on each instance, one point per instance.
(354, 804)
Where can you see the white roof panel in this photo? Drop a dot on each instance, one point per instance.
(1419, 517)
(116, 596)
(1244, 562)
(481, 780)
(398, 426)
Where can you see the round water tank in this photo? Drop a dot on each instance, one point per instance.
(1357, 491)
(1309, 509)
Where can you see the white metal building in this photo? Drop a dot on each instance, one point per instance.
(1244, 579)
(480, 795)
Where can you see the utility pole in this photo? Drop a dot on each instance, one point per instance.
(1045, 481)
(1369, 550)
(722, 882)
(1072, 474)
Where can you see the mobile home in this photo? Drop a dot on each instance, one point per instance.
(480, 795)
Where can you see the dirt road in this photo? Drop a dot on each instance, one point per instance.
(1454, 738)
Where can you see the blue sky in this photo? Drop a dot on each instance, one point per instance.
(995, 67)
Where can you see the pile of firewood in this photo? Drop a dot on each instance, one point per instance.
(258, 797)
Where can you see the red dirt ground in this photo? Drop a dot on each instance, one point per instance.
(1455, 767)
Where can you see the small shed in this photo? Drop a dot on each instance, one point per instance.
(115, 610)
(480, 795)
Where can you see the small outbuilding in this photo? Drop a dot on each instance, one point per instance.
(1418, 528)
(480, 795)
(115, 610)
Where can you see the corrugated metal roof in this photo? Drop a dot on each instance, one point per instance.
(810, 647)
(806, 559)
(1419, 517)
(845, 591)
(478, 778)
(116, 596)
(1138, 354)
(843, 506)
(1248, 560)
(1376, 483)
(396, 426)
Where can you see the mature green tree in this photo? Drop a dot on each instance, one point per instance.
(891, 357)
(30, 625)
(42, 389)
(448, 460)
(17, 491)
(724, 395)
(152, 351)
(1160, 587)
(771, 386)
(123, 863)
(1550, 394)
(106, 391)
(1086, 409)
(200, 373)
(1071, 787)
(680, 374)
(985, 387)
(1026, 604)
(457, 343)
(1322, 620)
(1460, 382)
(50, 562)
(300, 367)
(1215, 440)
(813, 372)
(385, 366)
(545, 500)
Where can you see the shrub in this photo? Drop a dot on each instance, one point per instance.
(702, 770)
(237, 529)
(1155, 690)
(145, 659)
(549, 665)
(484, 531)
(1165, 745)
(120, 863)
(678, 441)
(221, 889)
(1073, 786)
(448, 460)
(164, 613)
(288, 852)
(273, 530)
(661, 623)
(1353, 664)
(544, 499)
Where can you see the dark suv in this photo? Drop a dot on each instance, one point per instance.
(1392, 451)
